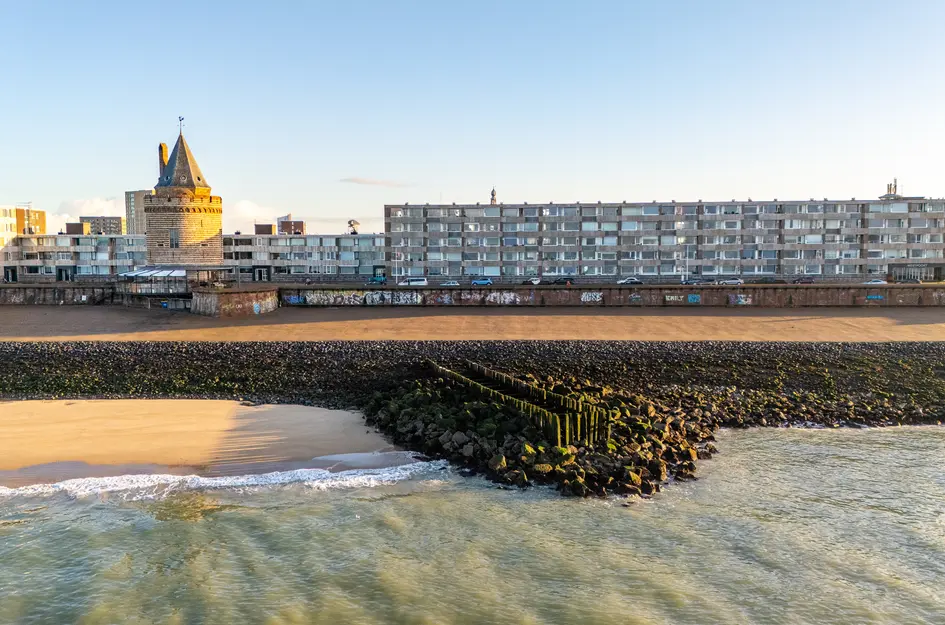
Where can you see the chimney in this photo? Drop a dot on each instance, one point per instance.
(162, 159)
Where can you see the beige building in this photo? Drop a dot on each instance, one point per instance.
(59, 258)
(101, 224)
(135, 222)
(752, 239)
(184, 222)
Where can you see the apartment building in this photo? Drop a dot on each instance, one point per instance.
(135, 222)
(288, 257)
(7, 233)
(892, 235)
(49, 258)
(102, 224)
(30, 220)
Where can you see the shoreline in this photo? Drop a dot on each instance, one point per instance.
(52, 441)
(592, 418)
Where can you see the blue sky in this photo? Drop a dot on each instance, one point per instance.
(330, 110)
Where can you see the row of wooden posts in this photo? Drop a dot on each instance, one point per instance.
(562, 429)
(570, 404)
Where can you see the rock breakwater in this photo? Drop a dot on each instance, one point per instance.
(661, 402)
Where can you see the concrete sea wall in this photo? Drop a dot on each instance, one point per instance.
(235, 303)
(56, 294)
(762, 296)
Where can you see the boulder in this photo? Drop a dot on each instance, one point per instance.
(468, 450)
(497, 462)
(460, 439)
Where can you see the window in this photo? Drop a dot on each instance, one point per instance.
(589, 226)
(174, 234)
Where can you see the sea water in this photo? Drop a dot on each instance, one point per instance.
(784, 526)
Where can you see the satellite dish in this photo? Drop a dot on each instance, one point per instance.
(353, 226)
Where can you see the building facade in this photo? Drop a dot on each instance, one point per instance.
(316, 257)
(184, 222)
(892, 235)
(30, 220)
(63, 258)
(135, 220)
(101, 224)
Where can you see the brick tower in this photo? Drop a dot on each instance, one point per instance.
(184, 222)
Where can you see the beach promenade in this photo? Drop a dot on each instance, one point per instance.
(101, 323)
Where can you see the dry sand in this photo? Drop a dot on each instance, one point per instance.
(113, 323)
(45, 441)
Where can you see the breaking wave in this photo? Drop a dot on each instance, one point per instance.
(157, 485)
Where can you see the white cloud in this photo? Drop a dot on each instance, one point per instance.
(374, 182)
(243, 214)
(70, 210)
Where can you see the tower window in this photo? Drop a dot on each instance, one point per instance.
(175, 237)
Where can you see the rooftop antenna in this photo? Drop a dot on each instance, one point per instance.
(180, 124)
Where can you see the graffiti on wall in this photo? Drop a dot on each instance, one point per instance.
(739, 299)
(503, 298)
(694, 298)
(636, 299)
(674, 299)
(592, 297)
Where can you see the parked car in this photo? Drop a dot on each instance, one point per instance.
(413, 282)
(630, 280)
(449, 283)
(909, 281)
(564, 280)
(695, 281)
(532, 281)
(481, 282)
(802, 281)
(381, 280)
(732, 282)
(770, 280)
(876, 281)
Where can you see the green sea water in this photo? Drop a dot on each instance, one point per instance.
(784, 526)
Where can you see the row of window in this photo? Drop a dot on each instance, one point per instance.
(654, 270)
(613, 226)
(671, 239)
(662, 209)
(307, 241)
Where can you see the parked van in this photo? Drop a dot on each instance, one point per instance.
(413, 282)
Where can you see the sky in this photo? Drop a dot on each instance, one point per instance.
(329, 110)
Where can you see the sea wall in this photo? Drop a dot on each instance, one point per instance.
(236, 302)
(56, 294)
(761, 296)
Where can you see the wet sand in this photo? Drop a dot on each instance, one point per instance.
(113, 323)
(49, 441)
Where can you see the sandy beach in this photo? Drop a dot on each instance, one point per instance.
(104, 323)
(47, 441)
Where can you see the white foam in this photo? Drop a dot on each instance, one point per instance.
(156, 485)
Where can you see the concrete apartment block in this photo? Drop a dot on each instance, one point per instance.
(101, 224)
(892, 235)
(135, 220)
(297, 257)
(68, 257)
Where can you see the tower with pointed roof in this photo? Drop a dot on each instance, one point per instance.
(184, 221)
